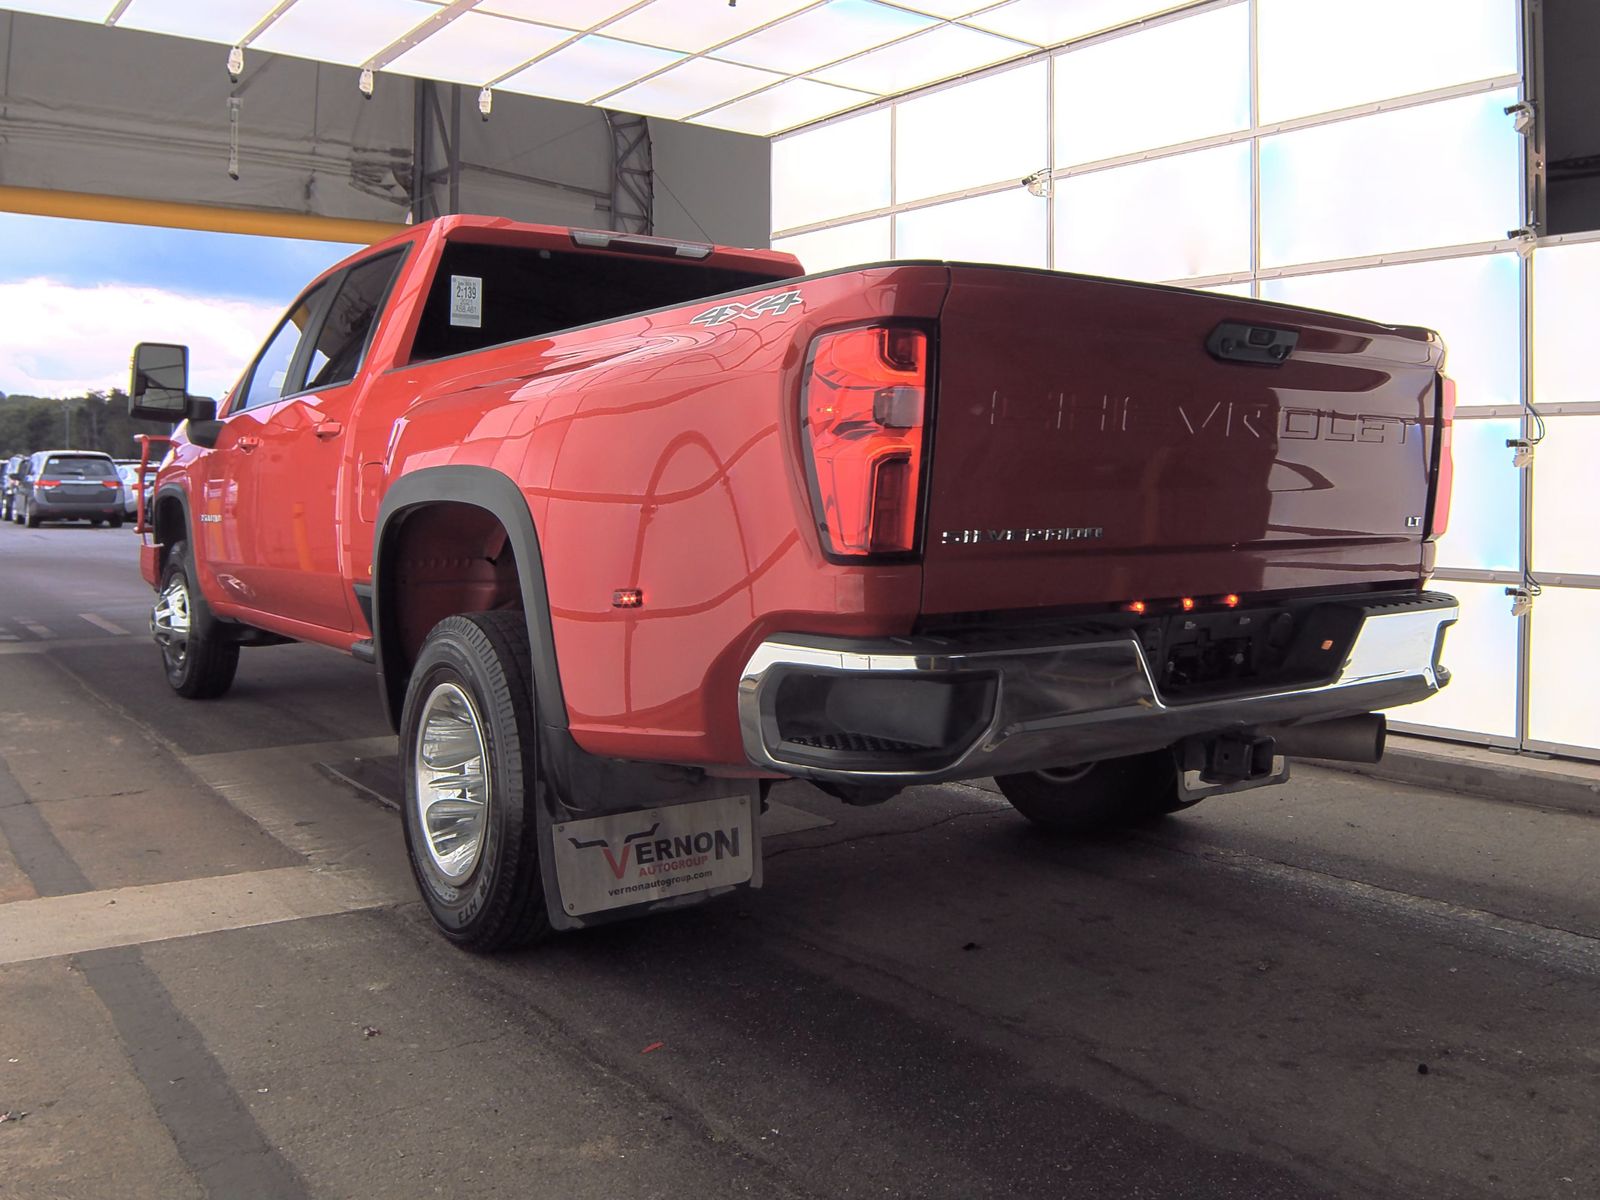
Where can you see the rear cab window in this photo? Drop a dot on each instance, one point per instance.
(487, 294)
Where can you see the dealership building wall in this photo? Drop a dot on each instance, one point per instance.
(1282, 149)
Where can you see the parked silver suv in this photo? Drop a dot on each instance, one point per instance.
(69, 485)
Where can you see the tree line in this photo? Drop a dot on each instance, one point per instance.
(93, 421)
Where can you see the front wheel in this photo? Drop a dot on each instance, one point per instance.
(468, 750)
(1104, 795)
(199, 664)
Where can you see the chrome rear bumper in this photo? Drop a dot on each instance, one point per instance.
(1023, 707)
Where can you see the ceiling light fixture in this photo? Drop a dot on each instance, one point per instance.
(234, 104)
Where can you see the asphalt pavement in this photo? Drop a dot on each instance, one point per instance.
(216, 980)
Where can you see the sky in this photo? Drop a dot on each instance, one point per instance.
(75, 297)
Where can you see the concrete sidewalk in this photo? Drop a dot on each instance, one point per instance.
(1518, 777)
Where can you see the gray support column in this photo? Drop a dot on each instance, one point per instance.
(454, 148)
(421, 97)
(632, 174)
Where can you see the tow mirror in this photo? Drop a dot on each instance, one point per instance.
(160, 388)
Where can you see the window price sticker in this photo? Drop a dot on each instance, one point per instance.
(466, 301)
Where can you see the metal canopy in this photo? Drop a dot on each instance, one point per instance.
(751, 66)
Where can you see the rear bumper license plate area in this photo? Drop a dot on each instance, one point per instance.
(910, 711)
(623, 859)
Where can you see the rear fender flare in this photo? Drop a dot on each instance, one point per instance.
(494, 492)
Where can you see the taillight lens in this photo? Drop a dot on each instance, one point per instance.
(866, 399)
(1444, 476)
(41, 484)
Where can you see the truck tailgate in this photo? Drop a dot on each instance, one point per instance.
(1088, 446)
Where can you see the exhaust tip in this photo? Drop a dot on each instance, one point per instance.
(1343, 739)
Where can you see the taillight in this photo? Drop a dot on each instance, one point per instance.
(865, 410)
(1444, 466)
(110, 483)
(41, 484)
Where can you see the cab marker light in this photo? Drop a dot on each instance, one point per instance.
(1135, 606)
(627, 598)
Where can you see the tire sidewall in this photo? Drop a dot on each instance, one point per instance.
(1117, 792)
(177, 564)
(181, 562)
(460, 909)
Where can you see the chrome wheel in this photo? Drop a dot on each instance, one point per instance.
(169, 621)
(451, 789)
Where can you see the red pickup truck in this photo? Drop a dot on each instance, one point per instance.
(633, 527)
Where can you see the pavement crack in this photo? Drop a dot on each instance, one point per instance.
(1547, 945)
(880, 834)
(40, 803)
(624, 1070)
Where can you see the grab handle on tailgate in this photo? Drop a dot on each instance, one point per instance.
(1234, 341)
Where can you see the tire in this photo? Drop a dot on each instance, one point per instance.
(29, 517)
(96, 522)
(473, 685)
(114, 522)
(1105, 795)
(199, 664)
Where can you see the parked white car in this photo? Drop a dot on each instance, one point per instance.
(130, 485)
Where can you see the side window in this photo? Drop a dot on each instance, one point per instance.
(269, 378)
(336, 356)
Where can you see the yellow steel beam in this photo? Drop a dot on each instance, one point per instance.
(84, 206)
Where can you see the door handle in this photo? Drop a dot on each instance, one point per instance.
(328, 429)
(247, 444)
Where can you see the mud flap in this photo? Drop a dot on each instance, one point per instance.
(625, 863)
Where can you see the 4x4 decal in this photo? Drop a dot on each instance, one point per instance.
(779, 303)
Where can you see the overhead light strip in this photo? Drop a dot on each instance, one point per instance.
(709, 51)
(420, 34)
(1164, 16)
(560, 46)
(265, 23)
(116, 13)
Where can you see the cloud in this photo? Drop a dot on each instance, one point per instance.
(60, 339)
